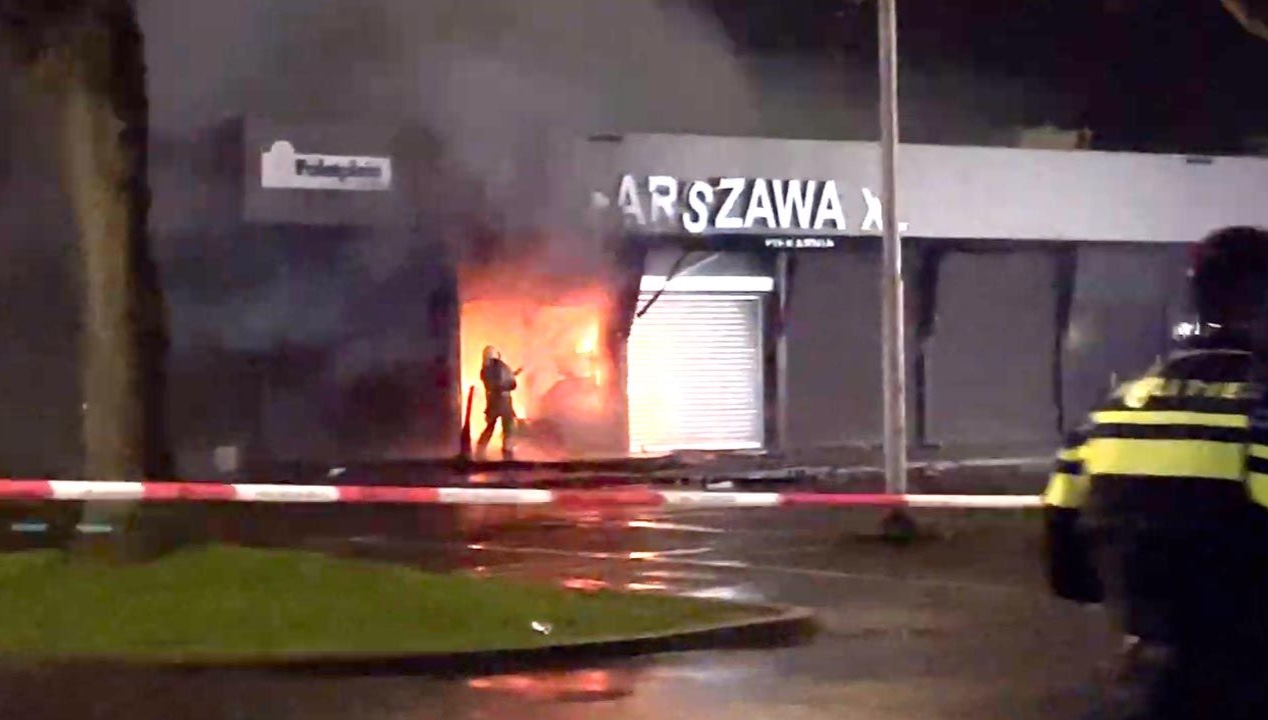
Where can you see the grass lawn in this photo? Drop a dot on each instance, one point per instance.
(227, 602)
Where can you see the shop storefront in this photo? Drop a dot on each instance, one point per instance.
(1032, 278)
(311, 300)
(713, 368)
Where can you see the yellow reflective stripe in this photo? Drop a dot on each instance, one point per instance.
(1163, 458)
(1259, 451)
(1258, 487)
(1136, 393)
(1066, 491)
(1170, 417)
(1069, 454)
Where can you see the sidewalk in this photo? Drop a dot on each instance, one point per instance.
(1003, 470)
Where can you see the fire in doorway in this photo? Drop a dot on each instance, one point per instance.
(569, 396)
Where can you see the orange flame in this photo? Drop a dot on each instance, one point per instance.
(555, 341)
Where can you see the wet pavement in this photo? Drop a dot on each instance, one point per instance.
(958, 626)
(859, 471)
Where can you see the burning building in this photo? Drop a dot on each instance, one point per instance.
(735, 309)
(564, 331)
(618, 361)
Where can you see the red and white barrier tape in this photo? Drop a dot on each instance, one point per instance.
(626, 496)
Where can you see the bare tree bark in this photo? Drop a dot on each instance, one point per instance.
(105, 138)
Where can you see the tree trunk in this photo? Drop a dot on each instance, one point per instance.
(105, 134)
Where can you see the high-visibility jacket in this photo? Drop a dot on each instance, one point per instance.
(1158, 506)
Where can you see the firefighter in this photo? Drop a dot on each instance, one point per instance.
(1158, 506)
(499, 381)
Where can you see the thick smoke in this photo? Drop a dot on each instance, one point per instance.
(488, 77)
(493, 80)
(594, 64)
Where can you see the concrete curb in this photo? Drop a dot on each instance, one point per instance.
(671, 468)
(785, 627)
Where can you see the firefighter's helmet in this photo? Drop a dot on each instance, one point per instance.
(490, 354)
(1228, 277)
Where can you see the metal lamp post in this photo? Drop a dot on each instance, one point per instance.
(894, 376)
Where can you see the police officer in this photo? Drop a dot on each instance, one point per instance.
(1158, 506)
(499, 381)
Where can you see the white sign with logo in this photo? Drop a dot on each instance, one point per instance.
(282, 168)
(737, 204)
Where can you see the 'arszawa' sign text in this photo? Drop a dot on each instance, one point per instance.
(283, 168)
(735, 203)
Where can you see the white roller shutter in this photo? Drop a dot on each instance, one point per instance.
(695, 373)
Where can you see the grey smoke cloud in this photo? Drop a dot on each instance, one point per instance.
(641, 64)
(487, 76)
(493, 80)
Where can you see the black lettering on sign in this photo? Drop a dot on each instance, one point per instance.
(335, 170)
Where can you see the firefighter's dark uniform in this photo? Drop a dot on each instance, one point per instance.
(1158, 507)
(499, 381)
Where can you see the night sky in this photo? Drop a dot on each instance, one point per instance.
(1146, 75)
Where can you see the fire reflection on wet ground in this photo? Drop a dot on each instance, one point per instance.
(892, 649)
(587, 685)
(640, 552)
(623, 550)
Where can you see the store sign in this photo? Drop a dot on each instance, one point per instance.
(800, 243)
(283, 168)
(734, 203)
